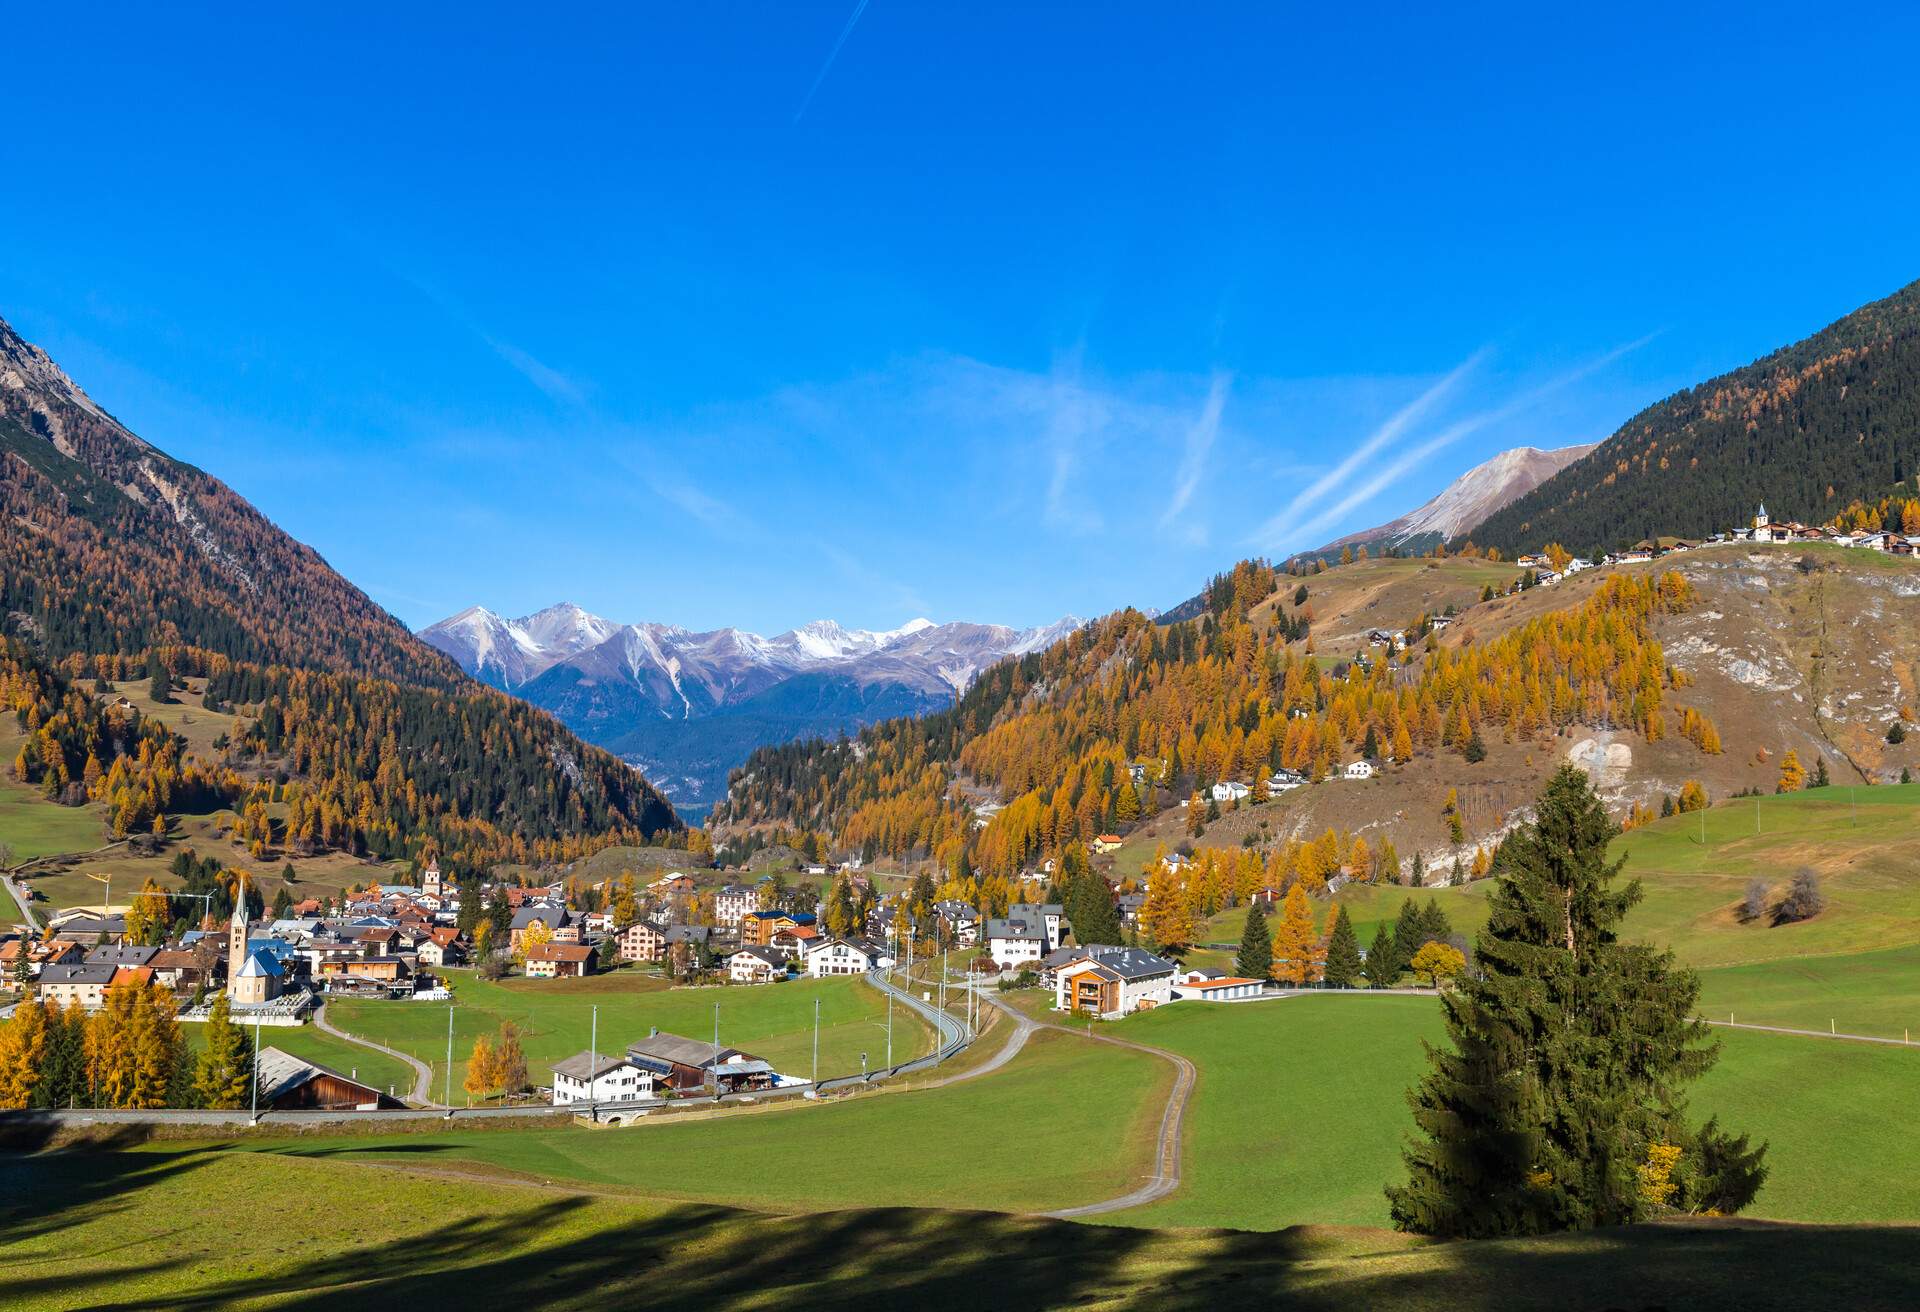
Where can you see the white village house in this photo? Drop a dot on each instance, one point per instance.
(1110, 982)
(846, 956)
(584, 1077)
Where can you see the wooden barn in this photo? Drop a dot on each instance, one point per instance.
(289, 1084)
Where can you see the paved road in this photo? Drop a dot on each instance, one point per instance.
(1811, 1034)
(19, 892)
(422, 1077)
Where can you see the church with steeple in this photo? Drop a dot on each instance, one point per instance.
(253, 978)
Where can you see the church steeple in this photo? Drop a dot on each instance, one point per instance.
(237, 932)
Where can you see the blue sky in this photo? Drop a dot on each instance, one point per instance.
(679, 313)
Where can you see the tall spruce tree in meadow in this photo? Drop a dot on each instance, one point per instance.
(1383, 960)
(1343, 952)
(1409, 932)
(1255, 959)
(1087, 900)
(1566, 1057)
(63, 1061)
(223, 1075)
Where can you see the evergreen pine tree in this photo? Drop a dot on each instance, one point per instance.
(1087, 900)
(1435, 927)
(1383, 963)
(1820, 776)
(1409, 932)
(223, 1077)
(63, 1061)
(1255, 960)
(1343, 952)
(1567, 1053)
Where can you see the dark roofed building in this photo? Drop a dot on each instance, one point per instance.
(288, 1083)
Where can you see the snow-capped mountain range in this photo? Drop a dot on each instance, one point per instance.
(686, 706)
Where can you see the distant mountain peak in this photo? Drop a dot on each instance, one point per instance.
(608, 680)
(1471, 498)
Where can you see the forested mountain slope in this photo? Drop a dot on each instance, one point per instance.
(117, 562)
(1703, 668)
(1805, 430)
(108, 545)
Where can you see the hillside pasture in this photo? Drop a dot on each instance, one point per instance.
(103, 1228)
(1300, 1110)
(556, 1019)
(942, 1147)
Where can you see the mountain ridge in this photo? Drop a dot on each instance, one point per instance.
(118, 561)
(1469, 499)
(1805, 428)
(620, 685)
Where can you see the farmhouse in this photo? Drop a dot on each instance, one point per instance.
(588, 1077)
(1359, 770)
(684, 1065)
(1113, 982)
(289, 1084)
(846, 956)
(1106, 843)
(757, 965)
(559, 961)
(84, 982)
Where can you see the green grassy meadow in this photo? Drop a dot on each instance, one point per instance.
(1872, 993)
(555, 1019)
(310, 1044)
(188, 1226)
(1861, 841)
(944, 1147)
(34, 827)
(1300, 1110)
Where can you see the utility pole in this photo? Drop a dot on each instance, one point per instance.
(816, 1043)
(447, 1095)
(713, 1067)
(593, 1060)
(255, 1114)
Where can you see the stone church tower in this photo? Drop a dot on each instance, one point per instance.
(252, 978)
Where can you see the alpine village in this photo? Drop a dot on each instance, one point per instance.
(1516, 905)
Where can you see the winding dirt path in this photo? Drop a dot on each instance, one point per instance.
(422, 1077)
(1166, 1155)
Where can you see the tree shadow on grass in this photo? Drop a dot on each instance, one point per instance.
(578, 1251)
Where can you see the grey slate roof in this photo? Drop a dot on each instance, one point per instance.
(1129, 963)
(551, 917)
(576, 1067)
(123, 954)
(675, 1049)
(85, 972)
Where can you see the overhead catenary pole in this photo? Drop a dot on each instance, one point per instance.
(446, 1095)
(255, 1115)
(713, 1067)
(593, 1060)
(816, 1042)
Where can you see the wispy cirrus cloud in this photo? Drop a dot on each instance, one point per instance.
(556, 385)
(1407, 460)
(1285, 527)
(833, 54)
(1397, 449)
(1193, 462)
